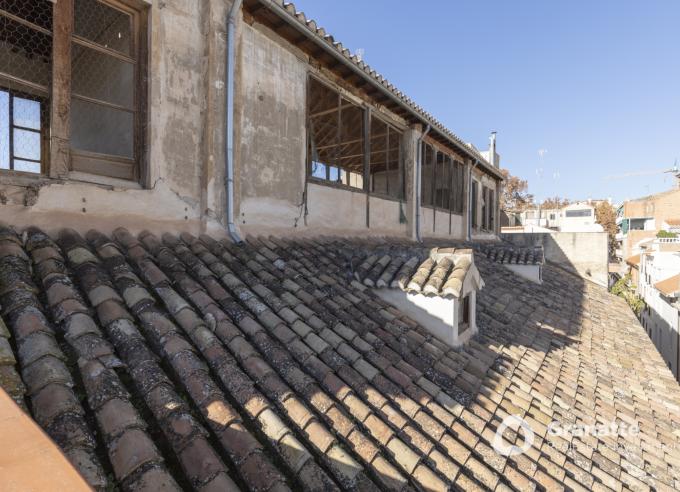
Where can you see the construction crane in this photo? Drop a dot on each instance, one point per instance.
(675, 172)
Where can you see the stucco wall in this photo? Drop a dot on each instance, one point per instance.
(271, 131)
(435, 223)
(184, 143)
(272, 152)
(582, 253)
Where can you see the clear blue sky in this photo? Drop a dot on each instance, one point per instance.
(594, 84)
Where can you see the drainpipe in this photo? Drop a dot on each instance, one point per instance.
(229, 146)
(419, 168)
(470, 204)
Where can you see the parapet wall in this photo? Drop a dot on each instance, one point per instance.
(582, 253)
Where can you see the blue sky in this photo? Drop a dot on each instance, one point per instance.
(593, 86)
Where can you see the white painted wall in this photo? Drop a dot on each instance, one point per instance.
(529, 272)
(438, 315)
(661, 319)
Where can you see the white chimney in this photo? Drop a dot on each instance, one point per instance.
(493, 156)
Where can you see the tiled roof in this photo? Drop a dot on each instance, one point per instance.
(441, 272)
(633, 260)
(672, 222)
(514, 255)
(292, 15)
(184, 362)
(669, 286)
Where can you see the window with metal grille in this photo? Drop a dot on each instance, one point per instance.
(473, 203)
(485, 193)
(104, 81)
(25, 77)
(442, 180)
(84, 58)
(492, 210)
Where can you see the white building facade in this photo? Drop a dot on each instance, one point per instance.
(659, 287)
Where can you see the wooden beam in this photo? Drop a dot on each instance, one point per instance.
(60, 125)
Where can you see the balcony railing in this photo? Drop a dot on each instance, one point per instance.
(667, 240)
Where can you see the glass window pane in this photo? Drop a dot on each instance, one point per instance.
(103, 77)
(103, 24)
(38, 12)
(27, 166)
(4, 130)
(26, 113)
(26, 144)
(96, 128)
(25, 54)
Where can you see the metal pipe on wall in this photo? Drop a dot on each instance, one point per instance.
(419, 166)
(229, 126)
(470, 204)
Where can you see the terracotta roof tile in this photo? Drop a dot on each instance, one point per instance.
(670, 286)
(328, 386)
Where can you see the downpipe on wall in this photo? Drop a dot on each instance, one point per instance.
(229, 127)
(470, 204)
(419, 168)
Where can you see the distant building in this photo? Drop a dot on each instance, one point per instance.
(659, 287)
(641, 220)
(579, 217)
(575, 217)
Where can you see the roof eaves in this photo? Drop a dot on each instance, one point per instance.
(299, 21)
(669, 287)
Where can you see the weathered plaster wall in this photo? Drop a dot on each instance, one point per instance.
(185, 140)
(271, 107)
(435, 223)
(335, 209)
(271, 131)
(384, 216)
(83, 206)
(582, 253)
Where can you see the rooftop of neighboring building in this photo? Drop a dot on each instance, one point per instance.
(669, 287)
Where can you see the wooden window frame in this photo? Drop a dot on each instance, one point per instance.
(83, 161)
(456, 180)
(343, 103)
(56, 152)
(390, 128)
(43, 131)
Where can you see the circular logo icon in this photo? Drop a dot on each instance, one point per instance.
(514, 422)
